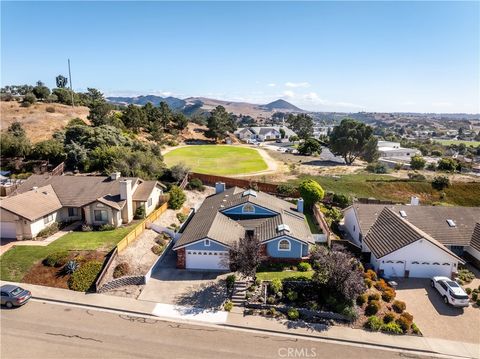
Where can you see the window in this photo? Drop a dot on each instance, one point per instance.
(100, 216)
(403, 214)
(72, 211)
(207, 242)
(48, 219)
(248, 208)
(284, 245)
(149, 202)
(283, 227)
(451, 223)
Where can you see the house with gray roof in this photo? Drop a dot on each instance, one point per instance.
(261, 134)
(414, 240)
(234, 213)
(95, 200)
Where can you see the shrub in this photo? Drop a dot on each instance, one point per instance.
(392, 328)
(388, 317)
(440, 182)
(276, 285)
(271, 300)
(86, 228)
(415, 329)
(292, 295)
(122, 269)
(478, 302)
(84, 277)
(368, 282)
(370, 274)
(140, 212)
(372, 307)
(272, 312)
(468, 291)
(196, 184)
(388, 295)
(416, 176)
(160, 240)
(373, 296)
(361, 299)
(474, 296)
(350, 312)
(304, 267)
(231, 281)
(373, 323)
(286, 189)
(228, 306)
(417, 162)
(48, 231)
(106, 227)
(405, 321)
(157, 249)
(376, 167)
(70, 267)
(342, 200)
(381, 285)
(181, 217)
(56, 259)
(399, 306)
(293, 314)
(29, 99)
(177, 197)
(465, 275)
(50, 109)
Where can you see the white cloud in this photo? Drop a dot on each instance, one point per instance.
(272, 85)
(442, 104)
(297, 84)
(288, 94)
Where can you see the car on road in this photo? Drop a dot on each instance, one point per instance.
(450, 291)
(14, 296)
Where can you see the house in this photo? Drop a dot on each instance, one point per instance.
(388, 149)
(95, 200)
(234, 213)
(412, 240)
(261, 134)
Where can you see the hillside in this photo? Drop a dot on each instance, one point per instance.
(281, 105)
(37, 122)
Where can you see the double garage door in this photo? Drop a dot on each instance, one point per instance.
(214, 260)
(8, 230)
(417, 269)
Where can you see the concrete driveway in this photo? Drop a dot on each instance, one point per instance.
(181, 287)
(435, 318)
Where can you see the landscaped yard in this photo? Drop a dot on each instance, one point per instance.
(17, 261)
(386, 187)
(217, 159)
(283, 275)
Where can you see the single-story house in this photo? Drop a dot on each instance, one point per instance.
(94, 200)
(234, 213)
(393, 149)
(413, 240)
(269, 133)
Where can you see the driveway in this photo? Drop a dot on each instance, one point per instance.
(435, 318)
(181, 287)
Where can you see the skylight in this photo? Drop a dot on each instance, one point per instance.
(250, 192)
(451, 223)
(283, 227)
(403, 214)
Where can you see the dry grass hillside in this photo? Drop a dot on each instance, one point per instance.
(38, 123)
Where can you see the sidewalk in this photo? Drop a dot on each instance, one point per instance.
(238, 320)
(5, 247)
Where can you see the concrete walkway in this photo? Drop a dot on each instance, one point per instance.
(238, 320)
(45, 242)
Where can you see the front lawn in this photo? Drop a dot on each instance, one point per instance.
(217, 159)
(16, 262)
(283, 275)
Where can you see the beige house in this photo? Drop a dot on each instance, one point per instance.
(94, 200)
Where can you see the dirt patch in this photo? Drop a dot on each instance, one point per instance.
(53, 277)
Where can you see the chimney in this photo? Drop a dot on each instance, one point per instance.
(300, 203)
(414, 201)
(219, 187)
(115, 176)
(126, 195)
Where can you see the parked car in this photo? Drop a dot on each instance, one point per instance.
(451, 291)
(13, 296)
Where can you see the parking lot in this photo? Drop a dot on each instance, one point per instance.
(435, 318)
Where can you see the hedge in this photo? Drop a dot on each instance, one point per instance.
(84, 278)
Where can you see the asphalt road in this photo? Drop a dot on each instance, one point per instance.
(46, 330)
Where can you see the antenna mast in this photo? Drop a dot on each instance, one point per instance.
(70, 78)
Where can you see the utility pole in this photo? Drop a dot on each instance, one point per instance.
(70, 78)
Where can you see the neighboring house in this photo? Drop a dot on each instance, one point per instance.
(393, 149)
(415, 241)
(261, 134)
(235, 213)
(95, 200)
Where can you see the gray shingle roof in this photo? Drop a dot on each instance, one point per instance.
(209, 221)
(475, 243)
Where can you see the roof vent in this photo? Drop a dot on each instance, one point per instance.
(283, 227)
(34, 188)
(451, 223)
(403, 214)
(250, 192)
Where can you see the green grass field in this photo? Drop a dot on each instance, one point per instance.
(16, 262)
(389, 188)
(217, 159)
(457, 142)
(283, 275)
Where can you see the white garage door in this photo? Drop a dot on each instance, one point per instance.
(8, 230)
(429, 269)
(216, 260)
(394, 268)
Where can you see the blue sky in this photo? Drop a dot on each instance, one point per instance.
(327, 56)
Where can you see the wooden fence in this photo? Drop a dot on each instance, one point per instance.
(322, 223)
(135, 233)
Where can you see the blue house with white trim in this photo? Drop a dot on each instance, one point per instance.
(235, 213)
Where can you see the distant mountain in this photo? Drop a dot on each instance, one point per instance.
(281, 105)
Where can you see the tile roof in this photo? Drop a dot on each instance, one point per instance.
(33, 204)
(209, 221)
(391, 232)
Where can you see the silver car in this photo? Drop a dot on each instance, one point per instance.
(13, 296)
